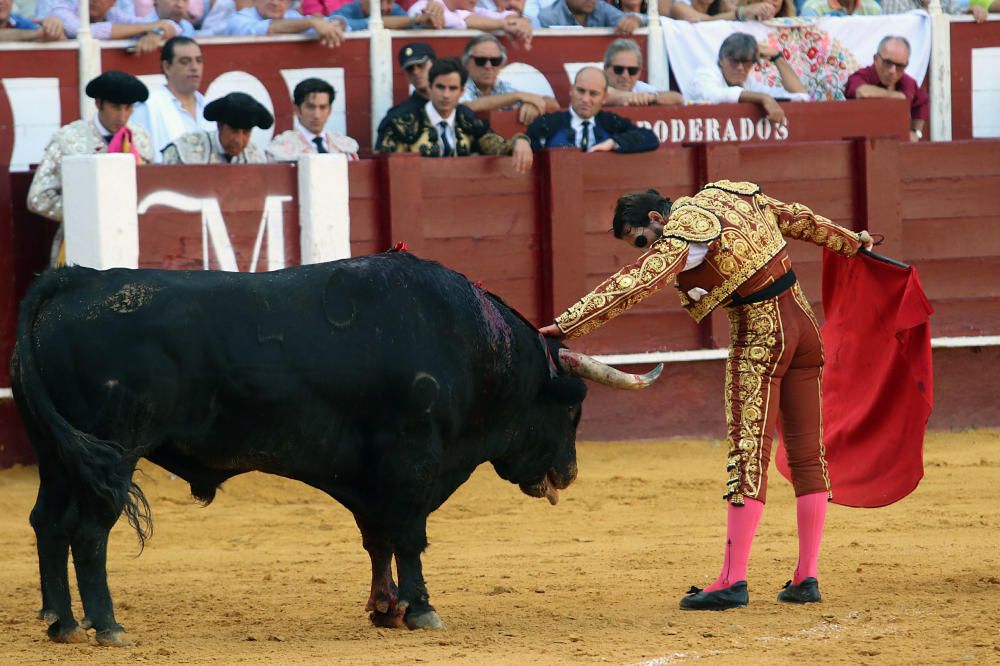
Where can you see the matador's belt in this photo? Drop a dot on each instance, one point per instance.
(776, 288)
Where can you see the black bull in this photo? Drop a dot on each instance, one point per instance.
(383, 381)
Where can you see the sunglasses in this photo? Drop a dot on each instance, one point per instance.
(892, 63)
(481, 61)
(621, 69)
(412, 68)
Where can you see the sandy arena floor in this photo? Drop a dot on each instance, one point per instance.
(274, 572)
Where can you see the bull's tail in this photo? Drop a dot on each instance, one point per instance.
(102, 467)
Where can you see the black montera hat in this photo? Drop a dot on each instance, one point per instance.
(240, 111)
(415, 53)
(118, 88)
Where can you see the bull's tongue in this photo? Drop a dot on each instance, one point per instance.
(551, 494)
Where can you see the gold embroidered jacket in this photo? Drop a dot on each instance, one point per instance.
(407, 129)
(80, 137)
(745, 232)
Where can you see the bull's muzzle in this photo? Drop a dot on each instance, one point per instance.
(587, 367)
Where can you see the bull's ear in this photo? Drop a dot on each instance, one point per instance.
(565, 390)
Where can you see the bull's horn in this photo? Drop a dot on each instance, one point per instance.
(587, 367)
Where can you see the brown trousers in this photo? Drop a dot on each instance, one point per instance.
(774, 372)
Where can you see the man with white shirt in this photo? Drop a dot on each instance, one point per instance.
(109, 131)
(177, 107)
(728, 82)
(585, 126)
(313, 100)
(622, 64)
(444, 128)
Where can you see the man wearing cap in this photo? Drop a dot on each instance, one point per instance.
(175, 107)
(235, 115)
(108, 131)
(444, 128)
(313, 100)
(415, 59)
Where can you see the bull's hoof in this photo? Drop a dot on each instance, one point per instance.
(426, 620)
(113, 638)
(75, 635)
(392, 620)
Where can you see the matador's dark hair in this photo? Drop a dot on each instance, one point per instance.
(633, 210)
(444, 66)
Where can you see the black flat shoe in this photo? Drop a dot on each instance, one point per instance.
(734, 596)
(806, 592)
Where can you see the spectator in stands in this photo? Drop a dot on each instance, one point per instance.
(275, 17)
(313, 100)
(979, 9)
(529, 9)
(176, 107)
(728, 82)
(110, 21)
(194, 13)
(484, 56)
(464, 14)
(415, 59)
(235, 116)
(174, 10)
(586, 126)
(622, 64)
(14, 28)
(393, 16)
(109, 131)
(696, 11)
(590, 14)
(773, 8)
(841, 8)
(887, 78)
(215, 22)
(641, 6)
(444, 128)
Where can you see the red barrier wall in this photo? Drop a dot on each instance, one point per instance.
(541, 240)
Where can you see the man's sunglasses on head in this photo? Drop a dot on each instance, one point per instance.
(621, 69)
(481, 61)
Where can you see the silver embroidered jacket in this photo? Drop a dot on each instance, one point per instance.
(287, 146)
(80, 137)
(204, 148)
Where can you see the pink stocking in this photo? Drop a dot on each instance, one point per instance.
(740, 529)
(810, 510)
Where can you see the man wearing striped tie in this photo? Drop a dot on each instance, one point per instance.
(586, 126)
(313, 100)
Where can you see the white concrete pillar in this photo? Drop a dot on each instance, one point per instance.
(657, 64)
(380, 69)
(99, 210)
(940, 74)
(324, 207)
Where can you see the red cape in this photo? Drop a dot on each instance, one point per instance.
(877, 380)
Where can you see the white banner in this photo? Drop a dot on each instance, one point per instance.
(823, 52)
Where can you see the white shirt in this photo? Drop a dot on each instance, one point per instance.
(436, 120)
(308, 135)
(165, 118)
(105, 132)
(576, 122)
(709, 85)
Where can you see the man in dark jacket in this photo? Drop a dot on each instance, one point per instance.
(585, 126)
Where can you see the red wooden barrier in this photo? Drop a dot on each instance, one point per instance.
(541, 240)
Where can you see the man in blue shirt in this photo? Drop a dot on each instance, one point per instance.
(393, 16)
(590, 14)
(275, 17)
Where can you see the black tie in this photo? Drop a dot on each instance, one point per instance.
(108, 137)
(444, 139)
(320, 148)
(585, 139)
(228, 158)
